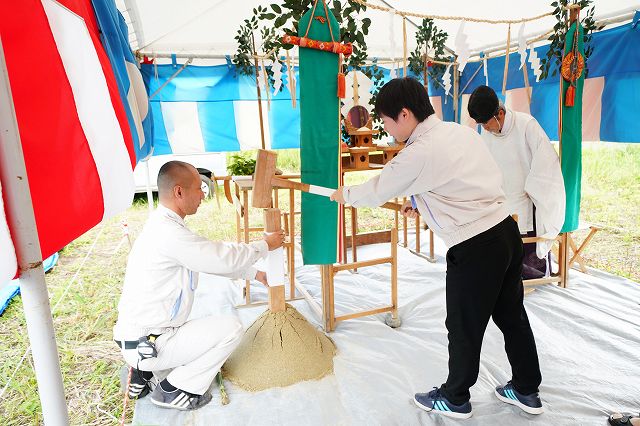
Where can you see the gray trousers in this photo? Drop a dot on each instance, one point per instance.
(193, 352)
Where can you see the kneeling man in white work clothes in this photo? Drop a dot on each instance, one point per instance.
(153, 329)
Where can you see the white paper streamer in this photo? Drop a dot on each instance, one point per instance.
(291, 81)
(446, 82)
(462, 47)
(261, 75)
(486, 71)
(364, 85)
(535, 62)
(275, 267)
(522, 46)
(277, 76)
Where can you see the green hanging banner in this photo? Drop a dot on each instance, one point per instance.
(319, 135)
(571, 131)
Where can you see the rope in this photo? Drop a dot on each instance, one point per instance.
(126, 397)
(313, 12)
(450, 18)
(326, 14)
(26, 352)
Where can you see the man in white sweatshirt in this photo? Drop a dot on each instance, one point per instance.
(532, 178)
(153, 330)
(456, 187)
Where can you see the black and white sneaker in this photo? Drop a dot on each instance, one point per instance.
(179, 399)
(528, 403)
(141, 383)
(435, 401)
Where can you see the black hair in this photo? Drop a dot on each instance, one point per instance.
(168, 175)
(483, 104)
(406, 93)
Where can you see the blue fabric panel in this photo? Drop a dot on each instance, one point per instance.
(114, 36)
(161, 144)
(7, 293)
(284, 122)
(620, 106)
(193, 84)
(217, 124)
(544, 106)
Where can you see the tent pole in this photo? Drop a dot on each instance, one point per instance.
(456, 97)
(149, 192)
(35, 297)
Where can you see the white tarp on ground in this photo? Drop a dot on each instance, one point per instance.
(588, 339)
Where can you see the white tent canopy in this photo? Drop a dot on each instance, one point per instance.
(205, 28)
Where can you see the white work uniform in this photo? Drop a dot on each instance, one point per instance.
(158, 292)
(531, 175)
(449, 171)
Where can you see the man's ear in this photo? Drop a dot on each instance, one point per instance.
(177, 191)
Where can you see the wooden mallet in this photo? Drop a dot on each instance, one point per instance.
(265, 179)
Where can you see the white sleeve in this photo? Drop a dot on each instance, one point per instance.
(407, 174)
(545, 185)
(233, 260)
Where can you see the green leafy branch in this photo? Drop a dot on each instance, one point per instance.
(430, 44)
(283, 18)
(554, 55)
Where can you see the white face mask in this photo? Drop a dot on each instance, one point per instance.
(496, 133)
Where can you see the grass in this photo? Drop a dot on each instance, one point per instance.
(86, 310)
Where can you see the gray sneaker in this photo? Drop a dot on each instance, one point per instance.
(179, 399)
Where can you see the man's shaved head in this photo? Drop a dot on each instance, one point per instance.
(174, 173)
(179, 187)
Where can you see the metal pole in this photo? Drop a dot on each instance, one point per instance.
(149, 192)
(35, 297)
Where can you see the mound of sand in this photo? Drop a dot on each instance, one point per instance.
(280, 349)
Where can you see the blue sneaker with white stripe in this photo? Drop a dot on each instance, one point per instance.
(528, 403)
(436, 402)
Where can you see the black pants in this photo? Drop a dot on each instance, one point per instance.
(484, 281)
(532, 265)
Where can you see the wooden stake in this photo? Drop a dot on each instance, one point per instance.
(255, 62)
(292, 247)
(506, 62)
(456, 95)
(276, 289)
(526, 81)
(404, 45)
(394, 272)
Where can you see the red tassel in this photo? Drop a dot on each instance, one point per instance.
(570, 96)
(342, 86)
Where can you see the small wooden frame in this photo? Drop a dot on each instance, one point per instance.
(328, 273)
(375, 237)
(243, 230)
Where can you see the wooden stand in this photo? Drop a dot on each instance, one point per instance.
(328, 273)
(243, 230)
(375, 237)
